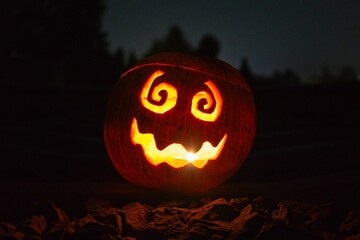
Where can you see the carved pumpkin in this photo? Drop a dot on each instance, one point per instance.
(179, 122)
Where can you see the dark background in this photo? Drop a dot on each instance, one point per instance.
(302, 34)
(57, 72)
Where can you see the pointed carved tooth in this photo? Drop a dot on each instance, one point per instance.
(175, 154)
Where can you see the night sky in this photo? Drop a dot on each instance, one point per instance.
(272, 35)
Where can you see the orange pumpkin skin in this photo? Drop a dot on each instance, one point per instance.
(187, 74)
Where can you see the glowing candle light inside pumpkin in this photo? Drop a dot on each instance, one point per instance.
(191, 157)
(175, 154)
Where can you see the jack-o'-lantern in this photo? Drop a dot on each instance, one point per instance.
(179, 122)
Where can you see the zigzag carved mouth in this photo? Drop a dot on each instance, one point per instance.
(175, 154)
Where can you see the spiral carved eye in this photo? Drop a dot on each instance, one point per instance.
(202, 105)
(159, 103)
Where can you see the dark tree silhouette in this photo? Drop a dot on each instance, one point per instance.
(132, 59)
(246, 71)
(118, 63)
(209, 46)
(286, 78)
(327, 75)
(54, 41)
(347, 74)
(174, 41)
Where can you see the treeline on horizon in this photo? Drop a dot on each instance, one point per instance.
(60, 42)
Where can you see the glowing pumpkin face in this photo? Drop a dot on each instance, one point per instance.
(175, 154)
(176, 122)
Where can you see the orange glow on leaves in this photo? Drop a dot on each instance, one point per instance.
(175, 154)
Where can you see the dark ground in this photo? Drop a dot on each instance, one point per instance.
(306, 149)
